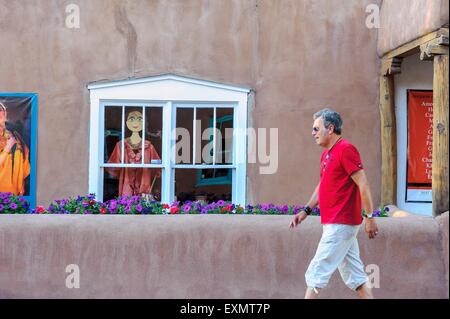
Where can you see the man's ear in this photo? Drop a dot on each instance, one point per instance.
(330, 126)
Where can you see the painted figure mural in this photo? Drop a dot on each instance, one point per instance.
(14, 157)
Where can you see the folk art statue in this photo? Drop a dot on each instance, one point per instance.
(135, 181)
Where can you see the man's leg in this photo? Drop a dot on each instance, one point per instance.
(352, 270)
(311, 293)
(364, 291)
(332, 249)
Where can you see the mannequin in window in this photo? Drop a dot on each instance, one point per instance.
(14, 157)
(135, 181)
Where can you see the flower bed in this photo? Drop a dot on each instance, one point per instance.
(135, 205)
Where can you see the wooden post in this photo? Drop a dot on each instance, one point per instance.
(388, 140)
(440, 176)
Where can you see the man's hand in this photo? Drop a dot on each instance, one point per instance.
(371, 227)
(298, 218)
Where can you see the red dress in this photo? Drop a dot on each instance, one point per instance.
(134, 181)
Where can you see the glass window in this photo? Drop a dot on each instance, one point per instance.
(132, 151)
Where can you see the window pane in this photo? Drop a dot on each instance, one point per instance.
(153, 133)
(113, 132)
(189, 186)
(204, 142)
(133, 128)
(131, 182)
(134, 125)
(224, 139)
(185, 135)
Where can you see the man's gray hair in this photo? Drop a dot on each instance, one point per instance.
(329, 117)
(2, 107)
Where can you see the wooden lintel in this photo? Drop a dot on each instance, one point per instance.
(391, 66)
(413, 47)
(437, 46)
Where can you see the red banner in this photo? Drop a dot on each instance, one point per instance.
(420, 145)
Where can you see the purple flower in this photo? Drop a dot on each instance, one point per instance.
(176, 203)
(112, 205)
(220, 203)
(186, 208)
(6, 201)
(139, 208)
(285, 209)
(5, 195)
(1, 208)
(204, 211)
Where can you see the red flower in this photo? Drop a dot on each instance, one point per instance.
(165, 206)
(103, 210)
(92, 202)
(174, 210)
(40, 209)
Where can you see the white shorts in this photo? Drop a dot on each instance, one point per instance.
(338, 248)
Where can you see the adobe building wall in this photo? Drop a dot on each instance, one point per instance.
(405, 20)
(443, 232)
(208, 256)
(298, 56)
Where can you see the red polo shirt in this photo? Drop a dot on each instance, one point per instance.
(339, 198)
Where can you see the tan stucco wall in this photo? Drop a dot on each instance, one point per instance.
(444, 229)
(299, 56)
(205, 256)
(405, 20)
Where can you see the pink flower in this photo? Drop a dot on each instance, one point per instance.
(40, 209)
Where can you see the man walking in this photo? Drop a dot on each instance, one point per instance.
(342, 193)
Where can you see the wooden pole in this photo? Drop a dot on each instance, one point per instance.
(388, 141)
(440, 176)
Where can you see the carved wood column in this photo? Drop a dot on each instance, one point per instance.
(437, 50)
(389, 68)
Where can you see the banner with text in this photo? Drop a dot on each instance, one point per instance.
(420, 145)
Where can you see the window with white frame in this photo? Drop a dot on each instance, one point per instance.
(169, 138)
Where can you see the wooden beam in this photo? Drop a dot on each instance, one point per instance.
(388, 141)
(440, 174)
(391, 66)
(413, 47)
(434, 47)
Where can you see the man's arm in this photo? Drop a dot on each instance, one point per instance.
(360, 179)
(301, 216)
(314, 200)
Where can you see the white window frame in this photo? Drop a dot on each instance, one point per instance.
(169, 92)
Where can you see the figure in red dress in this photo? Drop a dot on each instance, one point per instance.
(135, 181)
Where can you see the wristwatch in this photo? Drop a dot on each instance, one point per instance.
(369, 216)
(307, 210)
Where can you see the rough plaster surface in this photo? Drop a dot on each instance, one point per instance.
(405, 20)
(205, 256)
(444, 229)
(299, 56)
